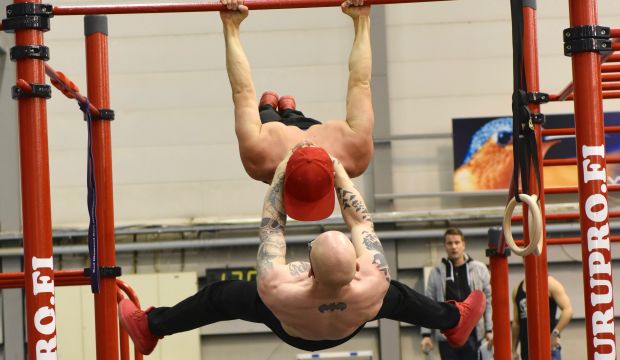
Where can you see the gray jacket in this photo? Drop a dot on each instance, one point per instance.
(478, 278)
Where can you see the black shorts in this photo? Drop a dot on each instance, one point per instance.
(287, 117)
(234, 299)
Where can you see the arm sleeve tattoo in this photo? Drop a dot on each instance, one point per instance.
(353, 201)
(271, 233)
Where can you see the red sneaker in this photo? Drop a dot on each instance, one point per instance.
(286, 102)
(269, 98)
(135, 322)
(471, 310)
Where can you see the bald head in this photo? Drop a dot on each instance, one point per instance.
(333, 259)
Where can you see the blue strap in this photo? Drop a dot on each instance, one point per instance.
(93, 251)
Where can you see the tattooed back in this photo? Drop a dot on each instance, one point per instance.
(309, 312)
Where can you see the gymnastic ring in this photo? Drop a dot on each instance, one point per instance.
(534, 222)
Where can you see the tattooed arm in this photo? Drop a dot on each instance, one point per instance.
(357, 218)
(272, 248)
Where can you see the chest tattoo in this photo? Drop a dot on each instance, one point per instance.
(332, 307)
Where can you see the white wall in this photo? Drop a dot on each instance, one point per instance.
(10, 199)
(174, 150)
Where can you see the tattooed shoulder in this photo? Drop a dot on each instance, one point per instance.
(381, 262)
(298, 267)
(371, 241)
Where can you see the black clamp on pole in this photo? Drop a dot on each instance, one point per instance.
(538, 118)
(40, 52)
(38, 90)
(104, 114)
(537, 97)
(106, 271)
(497, 247)
(27, 16)
(586, 38)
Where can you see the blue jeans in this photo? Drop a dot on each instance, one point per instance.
(556, 354)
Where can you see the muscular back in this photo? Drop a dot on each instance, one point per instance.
(261, 156)
(306, 312)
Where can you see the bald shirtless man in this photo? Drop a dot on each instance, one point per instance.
(266, 134)
(311, 305)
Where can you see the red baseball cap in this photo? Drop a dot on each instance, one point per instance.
(309, 184)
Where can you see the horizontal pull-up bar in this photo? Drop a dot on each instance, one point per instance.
(571, 131)
(212, 6)
(566, 240)
(573, 161)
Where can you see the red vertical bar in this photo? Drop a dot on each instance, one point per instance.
(594, 216)
(36, 206)
(501, 307)
(537, 287)
(106, 328)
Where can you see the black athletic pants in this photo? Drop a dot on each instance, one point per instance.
(230, 300)
(287, 117)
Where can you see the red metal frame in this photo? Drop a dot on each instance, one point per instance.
(213, 6)
(566, 241)
(537, 288)
(573, 161)
(610, 68)
(571, 131)
(55, 75)
(594, 219)
(124, 338)
(97, 72)
(36, 205)
(34, 163)
(500, 302)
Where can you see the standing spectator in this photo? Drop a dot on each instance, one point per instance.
(453, 280)
(557, 299)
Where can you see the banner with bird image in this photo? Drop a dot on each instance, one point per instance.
(483, 153)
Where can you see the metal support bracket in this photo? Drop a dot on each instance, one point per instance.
(29, 8)
(537, 98)
(26, 22)
(40, 52)
(586, 38)
(38, 90)
(106, 271)
(538, 118)
(104, 114)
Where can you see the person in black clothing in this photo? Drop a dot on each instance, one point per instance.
(452, 280)
(557, 299)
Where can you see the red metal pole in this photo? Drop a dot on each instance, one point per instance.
(606, 95)
(614, 33)
(537, 288)
(571, 131)
(213, 6)
(611, 86)
(611, 95)
(611, 77)
(123, 336)
(131, 294)
(54, 75)
(106, 327)
(501, 307)
(566, 241)
(594, 220)
(610, 68)
(573, 161)
(36, 205)
(61, 278)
